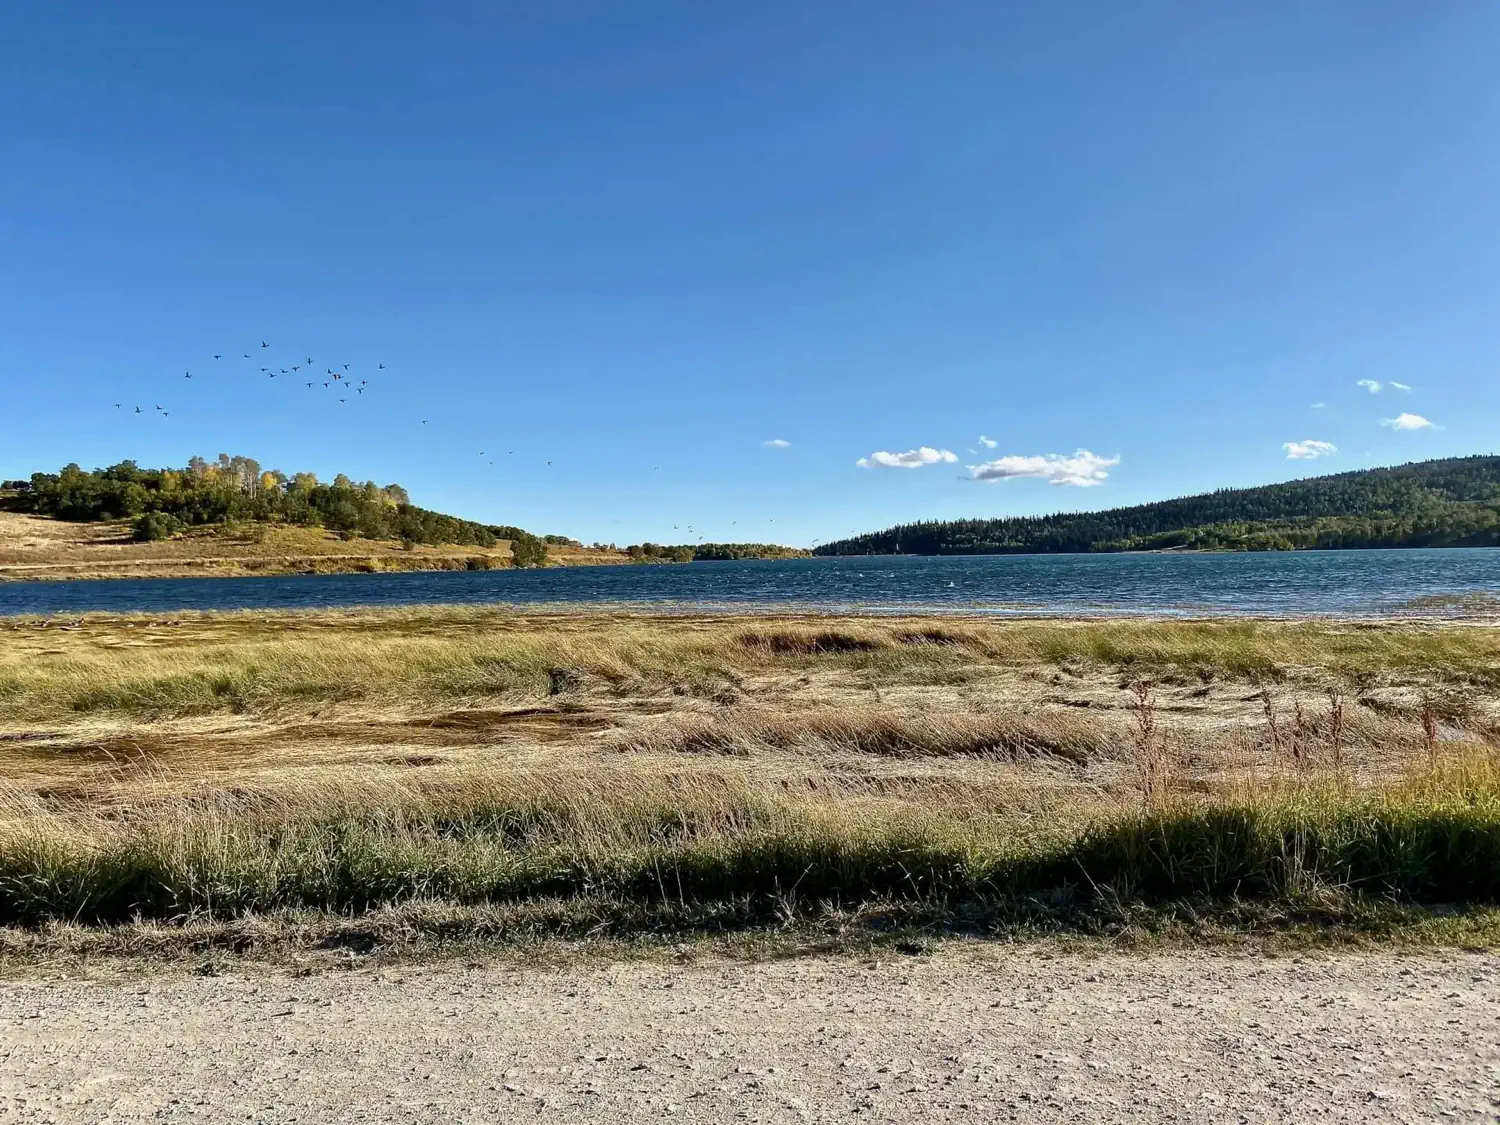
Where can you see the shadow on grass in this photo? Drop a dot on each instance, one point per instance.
(758, 867)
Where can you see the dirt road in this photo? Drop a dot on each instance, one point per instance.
(972, 1034)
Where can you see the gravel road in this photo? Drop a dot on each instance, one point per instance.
(968, 1034)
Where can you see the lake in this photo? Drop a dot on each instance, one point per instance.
(1313, 582)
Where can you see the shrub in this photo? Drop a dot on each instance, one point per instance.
(155, 525)
(527, 549)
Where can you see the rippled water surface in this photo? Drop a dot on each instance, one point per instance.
(1315, 582)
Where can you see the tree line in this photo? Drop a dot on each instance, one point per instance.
(711, 552)
(1445, 503)
(163, 502)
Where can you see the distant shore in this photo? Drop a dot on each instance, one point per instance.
(38, 549)
(288, 566)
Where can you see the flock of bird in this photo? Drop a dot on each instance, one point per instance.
(342, 381)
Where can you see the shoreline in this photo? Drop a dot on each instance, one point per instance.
(306, 566)
(729, 612)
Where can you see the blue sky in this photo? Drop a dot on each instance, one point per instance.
(641, 240)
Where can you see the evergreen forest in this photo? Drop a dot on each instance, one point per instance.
(1447, 503)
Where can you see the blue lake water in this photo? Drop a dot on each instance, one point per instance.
(1314, 582)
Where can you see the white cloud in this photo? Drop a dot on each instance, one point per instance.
(911, 459)
(777, 443)
(1369, 384)
(1082, 470)
(1319, 405)
(1408, 422)
(988, 443)
(1395, 386)
(1308, 450)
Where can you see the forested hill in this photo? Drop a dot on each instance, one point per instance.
(162, 502)
(1448, 503)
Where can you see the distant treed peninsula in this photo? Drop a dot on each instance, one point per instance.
(162, 502)
(1446, 503)
(711, 552)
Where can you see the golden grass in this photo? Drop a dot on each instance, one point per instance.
(339, 847)
(253, 662)
(223, 766)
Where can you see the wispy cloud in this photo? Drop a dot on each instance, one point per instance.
(988, 443)
(777, 443)
(1395, 386)
(1371, 385)
(1319, 405)
(1405, 421)
(1081, 470)
(1308, 450)
(911, 459)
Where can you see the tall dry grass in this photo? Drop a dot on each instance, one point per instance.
(702, 808)
(338, 844)
(234, 664)
(881, 731)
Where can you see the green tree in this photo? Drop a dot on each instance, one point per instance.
(527, 549)
(155, 525)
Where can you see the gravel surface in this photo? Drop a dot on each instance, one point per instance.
(968, 1034)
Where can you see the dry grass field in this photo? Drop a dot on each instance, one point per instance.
(36, 547)
(434, 773)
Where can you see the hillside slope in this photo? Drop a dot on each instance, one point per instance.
(1446, 503)
(230, 517)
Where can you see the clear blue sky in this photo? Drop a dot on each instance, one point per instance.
(640, 240)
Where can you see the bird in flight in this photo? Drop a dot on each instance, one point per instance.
(309, 385)
(343, 400)
(381, 367)
(424, 421)
(328, 384)
(137, 409)
(218, 357)
(296, 367)
(187, 374)
(346, 367)
(264, 344)
(247, 355)
(117, 406)
(359, 390)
